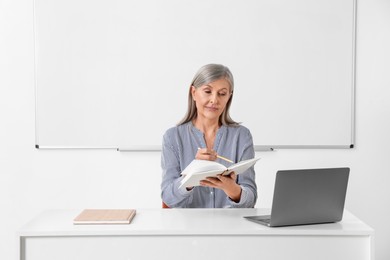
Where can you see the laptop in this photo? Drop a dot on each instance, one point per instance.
(309, 196)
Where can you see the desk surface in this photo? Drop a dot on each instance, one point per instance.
(185, 222)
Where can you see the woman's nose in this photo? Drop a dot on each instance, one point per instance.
(213, 99)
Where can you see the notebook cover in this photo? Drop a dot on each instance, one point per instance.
(105, 216)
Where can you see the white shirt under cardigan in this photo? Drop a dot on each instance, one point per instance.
(179, 147)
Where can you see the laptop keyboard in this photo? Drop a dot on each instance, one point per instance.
(266, 220)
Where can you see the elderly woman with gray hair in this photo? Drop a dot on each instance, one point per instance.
(206, 131)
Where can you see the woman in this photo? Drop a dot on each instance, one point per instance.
(206, 131)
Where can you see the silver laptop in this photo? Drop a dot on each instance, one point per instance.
(309, 196)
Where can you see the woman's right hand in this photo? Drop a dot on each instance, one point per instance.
(206, 154)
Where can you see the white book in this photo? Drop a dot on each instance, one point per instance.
(199, 170)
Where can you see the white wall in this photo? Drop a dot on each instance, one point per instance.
(34, 180)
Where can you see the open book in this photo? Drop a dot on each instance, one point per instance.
(105, 216)
(199, 170)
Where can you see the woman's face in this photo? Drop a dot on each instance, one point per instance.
(211, 99)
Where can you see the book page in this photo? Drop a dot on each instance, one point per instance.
(242, 166)
(200, 166)
(194, 179)
(194, 174)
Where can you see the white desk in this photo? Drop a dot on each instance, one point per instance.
(191, 234)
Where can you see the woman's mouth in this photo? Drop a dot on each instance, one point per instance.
(213, 109)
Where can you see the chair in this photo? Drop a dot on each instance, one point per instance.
(164, 206)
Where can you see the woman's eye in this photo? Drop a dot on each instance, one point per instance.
(207, 91)
(222, 94)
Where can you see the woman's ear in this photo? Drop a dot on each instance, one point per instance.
(193, 90)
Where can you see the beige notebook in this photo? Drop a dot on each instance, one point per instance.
(105, 216)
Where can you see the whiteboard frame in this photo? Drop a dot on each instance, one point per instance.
(135, 148)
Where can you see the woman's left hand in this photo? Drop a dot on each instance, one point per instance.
(227, 183)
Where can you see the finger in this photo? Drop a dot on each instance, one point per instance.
(210, 182)
(206, 154)
(206, 183)
(222, 177)
(208, 157)
(207, 151)
(213, 180)
(225, 179)
(233, 176)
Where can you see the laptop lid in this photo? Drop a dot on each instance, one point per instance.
(309, 196)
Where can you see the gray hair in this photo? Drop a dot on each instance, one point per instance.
(205, 75)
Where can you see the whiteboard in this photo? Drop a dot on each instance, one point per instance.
(116, 73)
